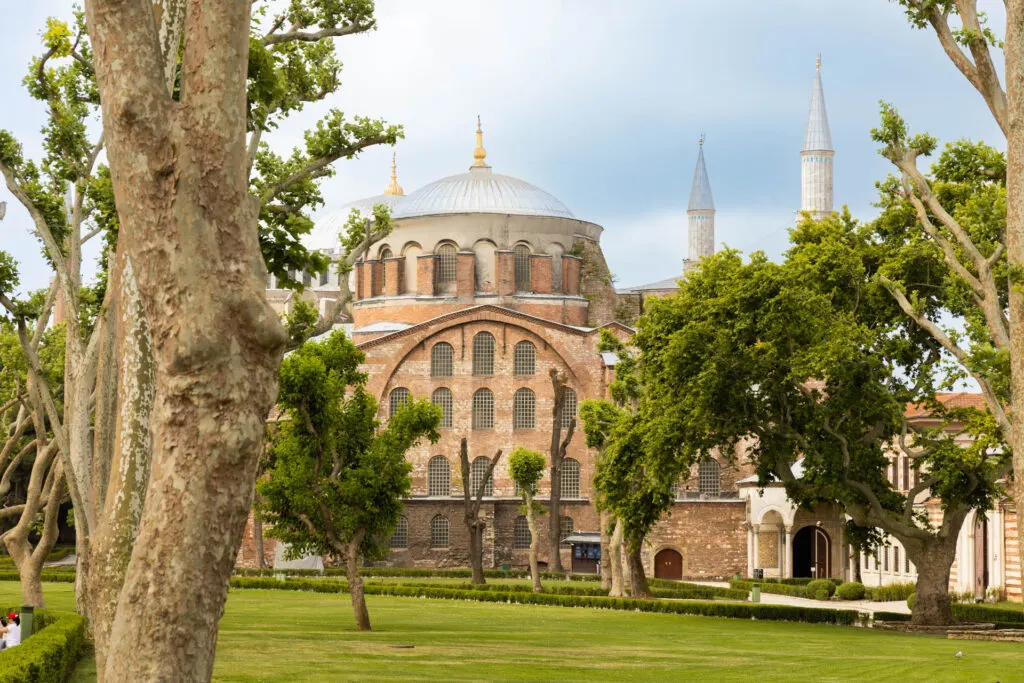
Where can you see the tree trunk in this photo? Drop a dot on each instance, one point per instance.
(637, 579)
(931, 596)
(29, 560)
(257, 539)
(531, 522)
(615, 562)
(355, 583)
(180, 178)
(857, 556)
(558, 446)
(476, 551)
(1013, 50)
(606, 567)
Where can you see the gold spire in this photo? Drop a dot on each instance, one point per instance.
(700, 143)
(817, 62)
(394, 187)
(479, 153)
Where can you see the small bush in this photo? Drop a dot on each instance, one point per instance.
(822, 589)
(851, 590)
(910, 601)
(47, 656)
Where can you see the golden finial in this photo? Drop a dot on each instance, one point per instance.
(817, 62)
(479, 153)
(394, 187)
(701, 141)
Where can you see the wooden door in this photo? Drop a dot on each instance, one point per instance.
(668, 564)
(822, 554)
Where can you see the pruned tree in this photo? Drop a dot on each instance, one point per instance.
(812, 359)
(973, 47)
(598, 418)
(559, 387)
(526, 468)
(471, 501)
(335, 481)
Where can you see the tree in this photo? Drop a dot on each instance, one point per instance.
(335, 483)
(632, 481)
(471, 509)
(969, 46)
(560, 387)
(812, 359)
(526, 467)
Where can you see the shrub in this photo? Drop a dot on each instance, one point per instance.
(770, 587)
(988, 614)
(821, 589)
(910, 601)
(891, 616)
(47, 656)
(851, 590)
(894, 592)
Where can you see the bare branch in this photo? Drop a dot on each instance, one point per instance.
(317, 167)
(293, 34)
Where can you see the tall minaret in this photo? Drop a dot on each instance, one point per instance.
(816, 155)
(700, 215)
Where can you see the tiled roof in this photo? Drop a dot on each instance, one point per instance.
(951, 400)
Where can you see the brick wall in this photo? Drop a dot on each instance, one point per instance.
(709, 535)
(247, 550)
(540, 273)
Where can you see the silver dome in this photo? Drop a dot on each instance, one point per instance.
(328, 226)
(481, 191)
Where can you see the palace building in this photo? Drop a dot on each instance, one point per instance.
(485, 285)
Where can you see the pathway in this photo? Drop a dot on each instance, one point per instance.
(899, 606)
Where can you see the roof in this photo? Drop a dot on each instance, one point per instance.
(700, 192)
(797, 468)
(670, 283)
(328, 226)
(951, 400)
(817, 137)
(582, 537)
(610, 358)
(481, 191)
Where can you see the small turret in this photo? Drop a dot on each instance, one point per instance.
(816, 156)
(700, 215)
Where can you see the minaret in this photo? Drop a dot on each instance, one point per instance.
(700, 215)
(394, 187)
(816, 155)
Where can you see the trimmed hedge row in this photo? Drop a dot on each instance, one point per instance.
(49, 655)
(979, 614)
(770, 587)
(403, 572)
(47, 576)
(894, 592)
(707, 609)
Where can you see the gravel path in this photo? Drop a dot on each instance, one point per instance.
(899, 606)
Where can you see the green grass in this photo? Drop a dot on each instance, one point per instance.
(289, 636)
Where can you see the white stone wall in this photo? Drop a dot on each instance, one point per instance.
(701, 234)
(816, 182)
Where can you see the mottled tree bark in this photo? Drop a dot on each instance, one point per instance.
(355, 582)
(531, 522)
(471, 511)
(606, 569)
(179, 172)
(637, 578)
(615, 561)
(559, 385)
(931, 594)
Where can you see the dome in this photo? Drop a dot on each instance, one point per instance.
(481, 191)
(329, 225)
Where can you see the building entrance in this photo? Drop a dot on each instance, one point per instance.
(668, 564)
(812, 556)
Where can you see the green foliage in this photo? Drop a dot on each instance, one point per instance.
(331, 468)
(820, 589)
(301, 321)
(910, 601)
(894, 592)
(851, 590)
(525, 468)
(796, 591)
(49, 655)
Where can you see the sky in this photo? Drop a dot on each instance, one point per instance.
(602, 103)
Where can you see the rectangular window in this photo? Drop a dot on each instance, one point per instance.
(896, 559)
(906, 473)
(885, 556)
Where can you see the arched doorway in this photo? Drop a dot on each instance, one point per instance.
(812, 553)
(668, 564)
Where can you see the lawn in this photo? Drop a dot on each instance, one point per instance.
(290, 636)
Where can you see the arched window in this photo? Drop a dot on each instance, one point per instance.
(524, 410)
(442, 397)
(439, 532)
(442, 360)
(524, 359)
(483, 409)
(483, 354)
(400, 539)
(385, 254)
(565, 529)
(439, 477)
(569, 405)
(477, 472)
(521, 252)
(708, 479)
(447, 255)
(570, 478)
(521, 536)
(399, 397)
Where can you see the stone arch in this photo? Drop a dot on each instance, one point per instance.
(486, 265)
(411, 251)
(773, 508)
(384, 250)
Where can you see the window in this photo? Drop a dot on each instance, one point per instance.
(442, 360)
(521, 536)
(896, 559)
(477, 472)
(483, 409)
(439, 477)
(521, 252)
(570, 478)
(865, 561)
(565, 525)
(325, 276)
(885, 558)
(446, 259)
(524, 359)
(439, 532)
(400, 539)
(673, 491)
(569, 404)
(483, 354)
(906, 560)
(385, 253)
(399, 397)
(524, 410)
(442, 398)
(307, 278)
(708, 479)
(906, 473)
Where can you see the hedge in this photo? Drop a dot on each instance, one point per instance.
(966, 613)
(47, 576)
(894, 592)
(49, 655)
(851, 590)
(770, 587)
(404, 572)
